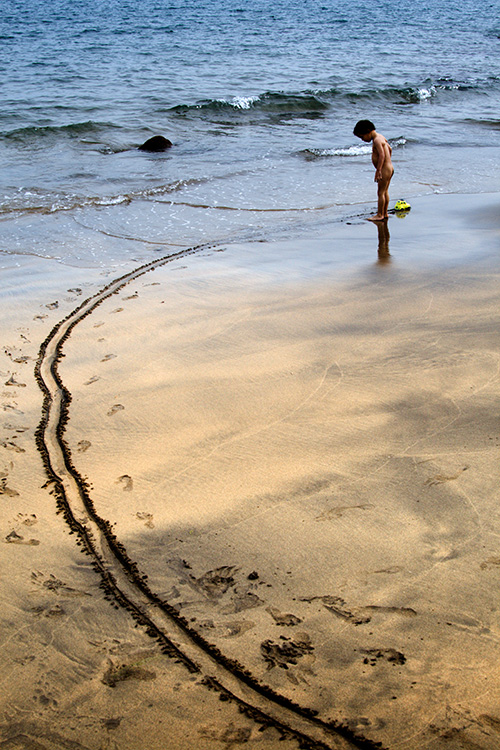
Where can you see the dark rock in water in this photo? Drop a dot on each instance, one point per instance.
(156, 143)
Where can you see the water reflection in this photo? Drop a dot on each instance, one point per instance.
(384, 255)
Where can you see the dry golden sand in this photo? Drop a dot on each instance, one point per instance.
(302, 457)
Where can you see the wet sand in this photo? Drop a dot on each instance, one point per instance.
(278, 477)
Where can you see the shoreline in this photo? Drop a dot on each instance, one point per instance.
(113, 253)
(267, 366)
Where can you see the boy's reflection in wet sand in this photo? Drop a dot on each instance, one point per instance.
(384, 255)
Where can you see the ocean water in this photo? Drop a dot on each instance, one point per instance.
(259, 100)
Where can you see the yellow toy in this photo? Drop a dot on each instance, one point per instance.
(402, 205)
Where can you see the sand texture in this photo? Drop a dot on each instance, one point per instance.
(250, 494)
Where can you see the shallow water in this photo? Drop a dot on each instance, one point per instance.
(259, 103)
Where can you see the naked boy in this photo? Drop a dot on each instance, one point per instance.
(381, 158)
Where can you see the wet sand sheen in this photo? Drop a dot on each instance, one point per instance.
(304, 466)
(332, 443)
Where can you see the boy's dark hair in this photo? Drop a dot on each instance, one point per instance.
(363, 127)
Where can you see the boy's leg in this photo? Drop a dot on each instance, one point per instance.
(386, 210)
(385, 201)
(382, 200)
(383, 196)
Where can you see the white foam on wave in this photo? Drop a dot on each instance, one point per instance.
(350, 151)
(424, 94)
(112, 200)
(240, 102)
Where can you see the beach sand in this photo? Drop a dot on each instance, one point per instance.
(295, 447)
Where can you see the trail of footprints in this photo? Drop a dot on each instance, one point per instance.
(13, 430)
(13, 380)
(230, 592)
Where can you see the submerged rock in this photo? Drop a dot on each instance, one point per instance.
(156, 143)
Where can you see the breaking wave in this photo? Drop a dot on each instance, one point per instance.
(357, 150)
(316, 102)
(270, 102)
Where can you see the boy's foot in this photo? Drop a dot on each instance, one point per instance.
(377, 218)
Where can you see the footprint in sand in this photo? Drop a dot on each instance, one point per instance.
(23, 359)
(56, 586)
(387, 654)
(441, 478)
(15, 538)
(390, 571)
(111, 724)
(75, 290)
(54, 611)
(132, 296)
(120, 672)
(14, 428)
(27, 519)
(4, 488)
(403, 611)
(490, 721)
(339, 510)
(91, 380)
(108, 357)
(282, 619)
(52, 305)
(286, 653)
(338, 607)
(215, 583)
(118, 309)
(491, 562)
(220, 583)
(241, 601)
(230, 736)
(126, 481)
(227, 629)
(11, 408)
(83, 445)
(147, 517)
(10, 446)
(14, 382)
(114, 409)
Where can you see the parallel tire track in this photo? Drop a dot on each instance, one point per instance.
(120, 576)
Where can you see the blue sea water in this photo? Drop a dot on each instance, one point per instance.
(259, 100)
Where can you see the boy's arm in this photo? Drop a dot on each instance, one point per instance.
(378, 145)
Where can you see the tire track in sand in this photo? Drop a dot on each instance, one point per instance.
(123, 582)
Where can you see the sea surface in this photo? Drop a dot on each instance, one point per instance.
(259, 100)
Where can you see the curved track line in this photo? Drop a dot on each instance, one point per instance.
(121, 578)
